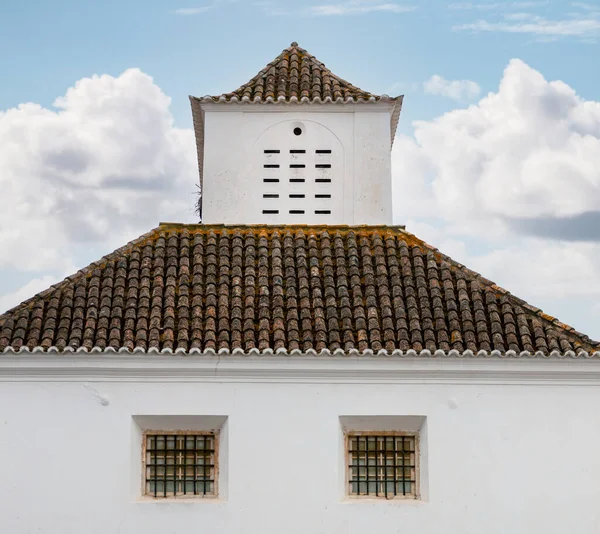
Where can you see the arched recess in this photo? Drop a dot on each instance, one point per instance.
(298, 166)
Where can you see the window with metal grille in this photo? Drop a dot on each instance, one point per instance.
(382, 465)
(180, 464)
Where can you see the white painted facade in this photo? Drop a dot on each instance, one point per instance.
(256, 168)
(507, 445)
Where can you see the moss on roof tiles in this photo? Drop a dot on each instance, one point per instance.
(283, 287)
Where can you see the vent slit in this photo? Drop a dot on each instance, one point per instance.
(270, 212)
(271, 166)
(323, 212)
(322, 166)
(270, 180)
(272, 151)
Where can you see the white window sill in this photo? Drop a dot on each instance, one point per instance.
(401, 501)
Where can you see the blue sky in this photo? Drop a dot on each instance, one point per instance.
(446, 57)
(52, 44)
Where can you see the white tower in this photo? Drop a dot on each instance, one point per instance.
(296, 145)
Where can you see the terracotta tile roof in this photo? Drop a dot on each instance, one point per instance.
(283, 288)
(297, 76)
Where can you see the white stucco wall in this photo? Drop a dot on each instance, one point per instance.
(234, 141)
(510, 446)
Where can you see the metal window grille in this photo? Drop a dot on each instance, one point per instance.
(382, 465)
(178, 465)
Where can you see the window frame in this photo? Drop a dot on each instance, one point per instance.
(215, 434)
(349, 434)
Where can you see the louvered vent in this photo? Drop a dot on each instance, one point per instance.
(297, 183)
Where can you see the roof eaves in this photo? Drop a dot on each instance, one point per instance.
(424, 354)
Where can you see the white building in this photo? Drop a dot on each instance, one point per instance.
(314, 370)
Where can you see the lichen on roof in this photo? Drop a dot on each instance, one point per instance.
(284, 288)
(296, 75)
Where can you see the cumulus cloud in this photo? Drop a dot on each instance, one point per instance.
(106, 164)
(531, 150)
(455, 89)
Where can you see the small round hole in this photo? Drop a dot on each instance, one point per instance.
(297, 131)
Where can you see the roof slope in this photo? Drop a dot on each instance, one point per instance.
(296, 76)
(282, 288)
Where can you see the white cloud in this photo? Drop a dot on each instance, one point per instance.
(455, 89)
(556, 270)
(541, 26)
(486, 6)
(105, 166)
(520, 16)
(532, 149)
(193, 10)
(582, 21)
(187, 11)
(28, 290)
(358, 7)
(471, 5)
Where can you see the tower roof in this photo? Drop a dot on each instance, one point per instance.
(282, 289)
(295, 75)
